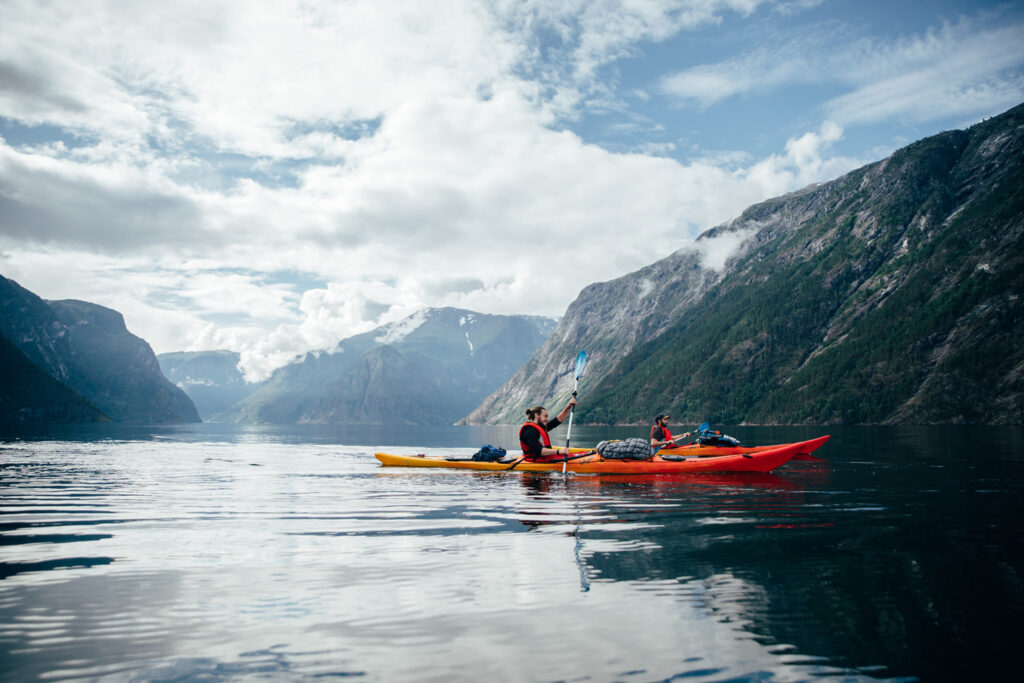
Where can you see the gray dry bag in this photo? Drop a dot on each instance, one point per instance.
(627, 449)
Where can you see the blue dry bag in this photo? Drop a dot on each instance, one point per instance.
(706, 436)
(489, 453)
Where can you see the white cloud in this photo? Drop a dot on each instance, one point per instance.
(604, 31)
(951, 77)
(716, 251)
(963, 68)
(392, 234)
(804, 162)
(276, 179)
(756, 71)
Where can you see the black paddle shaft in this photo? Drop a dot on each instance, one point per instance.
(566, 458)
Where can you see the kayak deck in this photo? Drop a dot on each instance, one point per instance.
(760, 461)
(806, 448)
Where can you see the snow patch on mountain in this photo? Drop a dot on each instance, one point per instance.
(398, 331)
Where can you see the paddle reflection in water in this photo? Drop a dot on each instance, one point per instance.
(804, 568)
(647, 533)
(292, 560)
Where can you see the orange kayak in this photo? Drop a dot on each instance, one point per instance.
(806, 448)
(759, 461)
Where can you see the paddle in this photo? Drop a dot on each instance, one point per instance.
(671, 443)
(581, 363)
(662, 447)
(577, 456)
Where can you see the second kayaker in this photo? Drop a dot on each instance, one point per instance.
(660, 434)
(534, 437)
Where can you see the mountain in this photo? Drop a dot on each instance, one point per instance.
(430, 368)
(88, 350)
(608, 320)
(889, 295)
(28, 394)
(210, 378)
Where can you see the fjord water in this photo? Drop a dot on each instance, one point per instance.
(219, 552)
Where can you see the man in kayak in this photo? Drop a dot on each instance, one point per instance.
(660, 435)
(534, 438)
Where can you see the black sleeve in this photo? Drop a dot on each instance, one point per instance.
(531, 437)
(554, 422)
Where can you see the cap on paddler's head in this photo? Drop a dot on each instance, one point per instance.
(663, 417)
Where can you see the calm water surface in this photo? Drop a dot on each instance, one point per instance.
(217, 552)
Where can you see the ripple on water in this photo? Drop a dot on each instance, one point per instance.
(166, 559)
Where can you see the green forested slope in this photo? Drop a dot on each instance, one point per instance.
(889, 295)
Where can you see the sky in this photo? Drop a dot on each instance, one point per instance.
(274, 176)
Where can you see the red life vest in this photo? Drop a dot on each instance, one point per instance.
(545, 440)
(661, 433)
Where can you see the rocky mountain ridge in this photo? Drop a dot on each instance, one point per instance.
(211, 379)
(607, 319)
(889, 295)
(89, 352)
(29, 394)
(430, 368)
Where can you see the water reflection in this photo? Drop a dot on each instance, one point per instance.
(860, 572)
(212, 559)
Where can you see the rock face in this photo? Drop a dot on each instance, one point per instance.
(889, 295)
(430, 368)
(608, 320)
(28, 394)
(88, 349)
(210, 378)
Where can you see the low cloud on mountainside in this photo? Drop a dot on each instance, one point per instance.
(275, 179)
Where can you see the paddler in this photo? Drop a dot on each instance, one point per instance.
(534, 437)
(660, 435)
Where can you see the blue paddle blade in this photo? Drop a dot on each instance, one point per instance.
(705, 427)
(581, 362)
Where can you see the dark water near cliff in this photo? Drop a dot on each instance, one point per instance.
(218, 552)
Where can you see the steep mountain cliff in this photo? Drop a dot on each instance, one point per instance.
(28, 394)
(608, 320)
(88, 348)
(889, 295)
(430, 368)
(210, 378)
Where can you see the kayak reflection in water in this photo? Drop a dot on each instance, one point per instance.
(660, 435)
(534, 437)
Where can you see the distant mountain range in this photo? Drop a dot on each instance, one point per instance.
(211, 379)
(431, 368)
(890, 295)
(76, 361)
